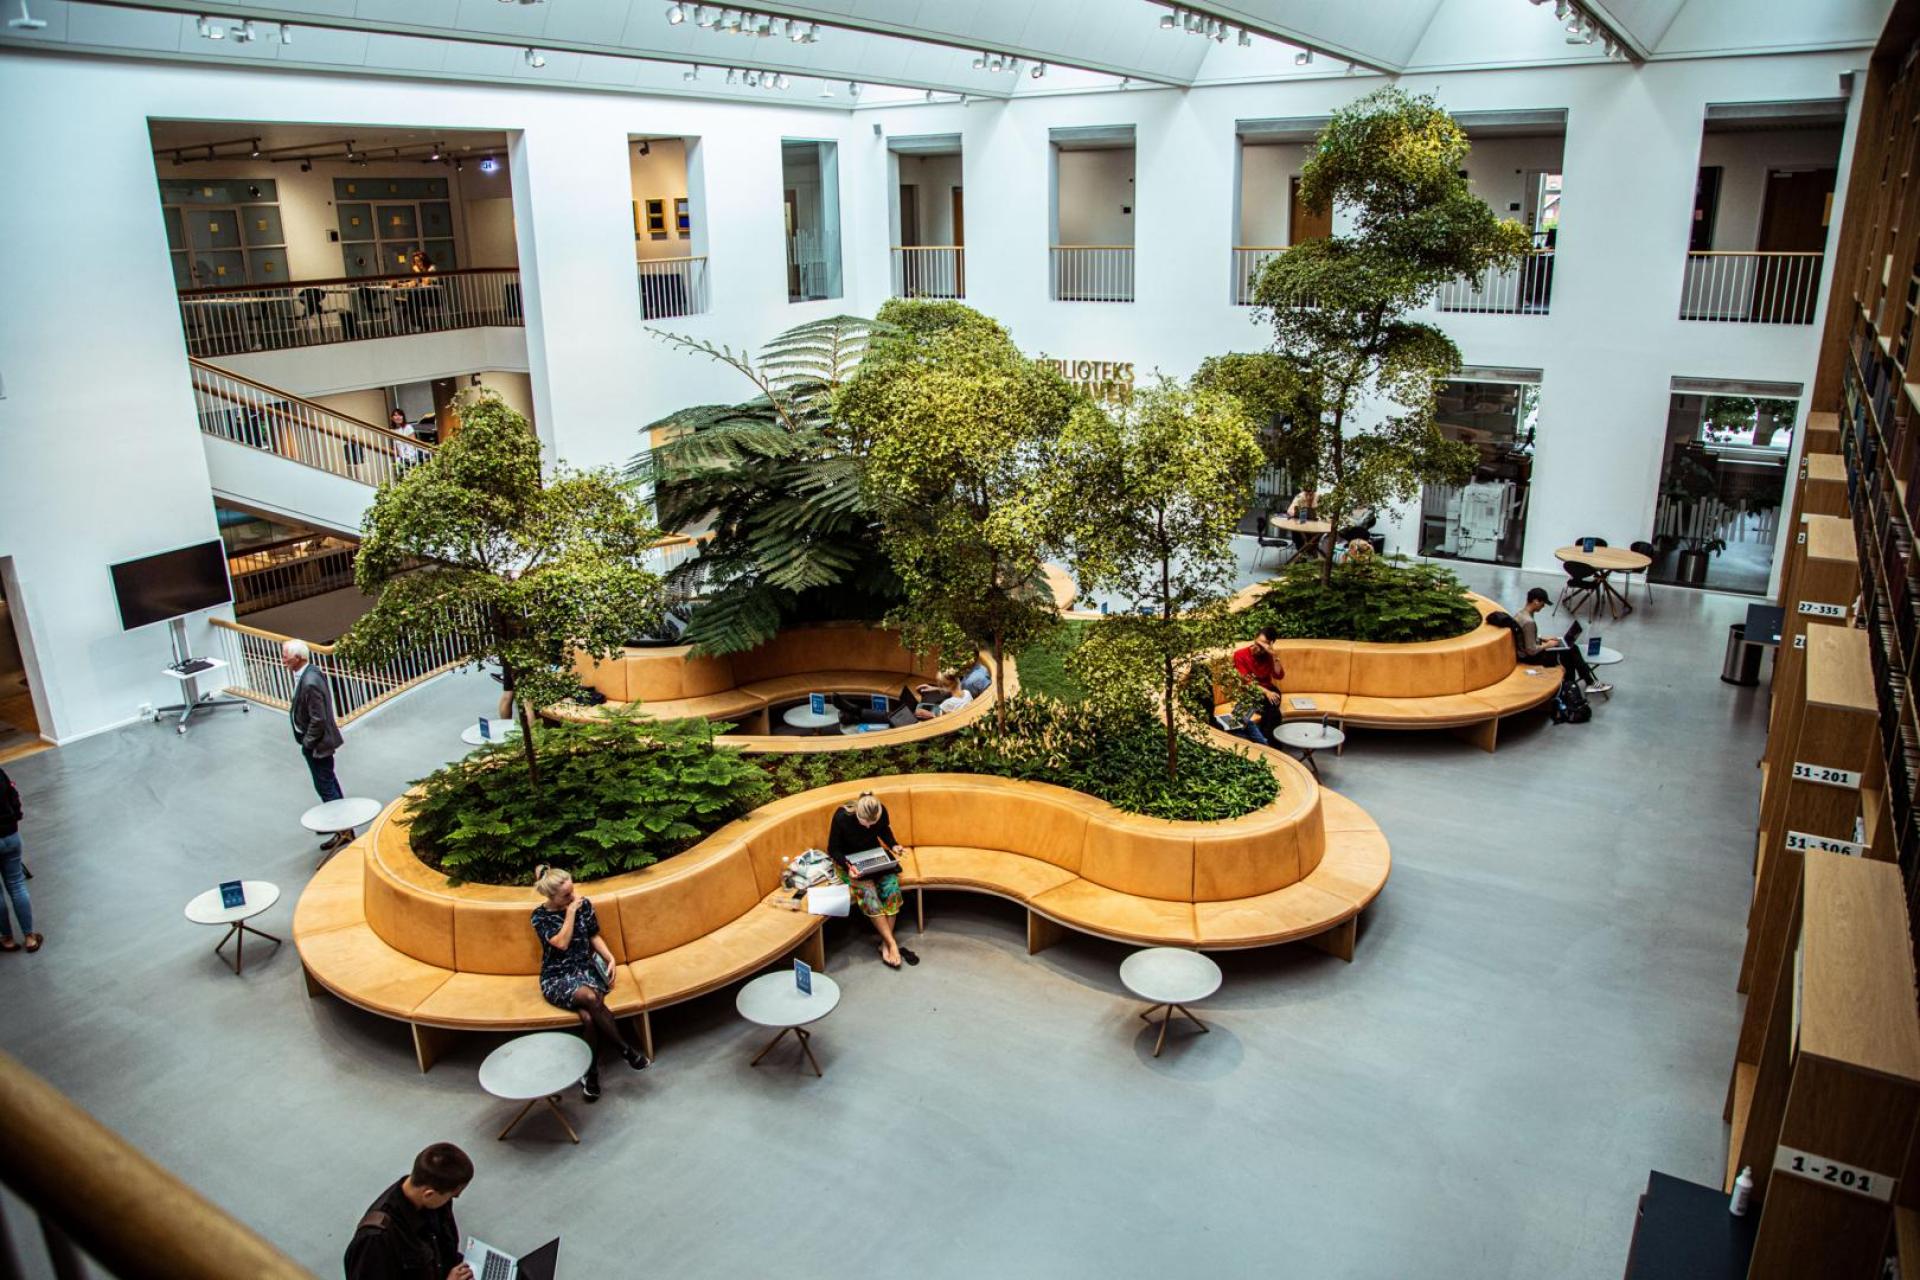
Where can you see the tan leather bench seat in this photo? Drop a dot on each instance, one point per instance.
(781, 688)
(485, 1001)
(356, 965)
(1324, 704)
(1524, 687)
(742, 946)
(1124, 917)
(1012, 875)
(335, 897)
(712, 706)
(1439, 711)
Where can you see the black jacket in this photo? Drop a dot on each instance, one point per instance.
(10, 811)
(396, 1241)
(312, 714)
(846, 836)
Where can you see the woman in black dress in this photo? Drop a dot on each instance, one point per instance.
(577, 970)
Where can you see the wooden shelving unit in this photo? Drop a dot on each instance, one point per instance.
(1837, 1093)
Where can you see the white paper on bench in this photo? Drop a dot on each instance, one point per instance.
(829, 900)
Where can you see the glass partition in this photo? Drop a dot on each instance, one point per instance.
(1486, 518)
(810, 183)
(1718, 508)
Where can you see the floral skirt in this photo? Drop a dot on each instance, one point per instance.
(874, 897)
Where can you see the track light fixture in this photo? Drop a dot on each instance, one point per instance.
(306, 166)
(929, 95)
(254, 153)
(1039, 69)
(980, 62)
(691, 74)
(1168, 21)
(535, 58)
(646, 147)
(246, 33)
(211, 30)
(1246, 41)
(286, 33)
(1304, 58)
(676, 14)
(26, 21)
(436, 152)
(853, 88)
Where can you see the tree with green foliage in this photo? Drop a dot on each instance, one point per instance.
(1147, 496)
(1339, 305)
(779, 478)
(960, 428)
(474, 541)
(1274, 394)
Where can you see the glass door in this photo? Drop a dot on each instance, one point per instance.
(1718, 507)
(1486, 518)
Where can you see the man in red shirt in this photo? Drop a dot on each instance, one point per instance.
(1259, 665)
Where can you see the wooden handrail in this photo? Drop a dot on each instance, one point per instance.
(1090, 246)
(280, 636)
(315, 284)
(280, 393)
(135, 1218)
(955, 247)
(1755, 253)
(697, 257)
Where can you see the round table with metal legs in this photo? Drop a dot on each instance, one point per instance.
(1172, 978)
(774, 1000)
(208, 908)
(535, 1068)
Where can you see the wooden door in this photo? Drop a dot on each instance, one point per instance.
(793, 258)
(446, 419)
(1793, 220)
(1304, 223)
(959, 243)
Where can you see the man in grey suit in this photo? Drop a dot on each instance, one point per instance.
(314, 726)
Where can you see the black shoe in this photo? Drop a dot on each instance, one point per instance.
(636, 1059)
(590, 1088)
(908, 955)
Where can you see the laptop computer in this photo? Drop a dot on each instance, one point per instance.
(1572, 638)
(489, 1263)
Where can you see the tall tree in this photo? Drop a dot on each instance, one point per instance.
(1172, 471)
(1339, 305)
(960, 429)
(777, 480)
(1274, 394)
(474, 541)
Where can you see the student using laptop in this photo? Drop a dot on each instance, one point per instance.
(409, 1232)
(942, 699)
(1550, 651)
(856, 828)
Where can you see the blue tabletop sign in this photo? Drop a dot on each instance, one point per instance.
(1586, 544)
(232, 894)
(803, 977)
(1593, 646)
(878, 701)
(817, 703)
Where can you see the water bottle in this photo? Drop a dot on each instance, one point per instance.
(1742, 1192)
(486, 730)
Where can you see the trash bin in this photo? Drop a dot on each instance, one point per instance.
(1742, 663)
(1691, 570)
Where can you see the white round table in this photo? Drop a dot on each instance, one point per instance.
(1307, 737)
(339, 817)
(1173, 978)
(1605, 658)
(206, 908)
(773, 1000)
(534, 1067)
(805, 717)
(500, 729)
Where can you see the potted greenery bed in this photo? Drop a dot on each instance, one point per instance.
(1375, 600)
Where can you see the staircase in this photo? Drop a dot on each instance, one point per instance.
(276, 452)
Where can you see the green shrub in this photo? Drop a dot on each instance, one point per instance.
(615, 795)
(1043, 664)
(1378, 599)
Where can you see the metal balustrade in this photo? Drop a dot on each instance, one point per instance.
(297, 569)
(1751, 288)
(673, 286)
(1093, 272)
(254, 670)
(1248, 261)
(261, 417)
(929, 271)
(311, 313)
(1526, 289)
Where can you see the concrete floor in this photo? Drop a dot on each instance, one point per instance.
(1540, 1010)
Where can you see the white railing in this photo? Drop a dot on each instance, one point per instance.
(1248, 261)
(255, 672)
(929, 271)
(294, 571)
(1700, 520)
(1751, 288)
(673, 286)
(258, 416)
(232, 321)
(1093, 272)
(1526, 289)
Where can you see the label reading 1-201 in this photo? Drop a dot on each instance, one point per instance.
(1841, 1177)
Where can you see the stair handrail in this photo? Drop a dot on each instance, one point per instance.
(88, 1184)
(283, 394)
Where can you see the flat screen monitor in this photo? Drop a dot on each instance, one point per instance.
(156, 588)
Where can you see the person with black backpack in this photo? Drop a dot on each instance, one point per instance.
(13, 870)
(1550, 651)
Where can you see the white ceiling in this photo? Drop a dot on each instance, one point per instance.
(921, 45)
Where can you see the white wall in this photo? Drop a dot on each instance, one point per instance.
(596, 375)
(382, 362)
(1096, 196)
(1745, 160)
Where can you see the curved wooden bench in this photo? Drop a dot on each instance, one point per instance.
(386, 933)
(1468, 682)
(674, 683)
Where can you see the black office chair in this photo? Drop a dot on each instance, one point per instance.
(1582, 587)
(1281, 543)
(1652, 553)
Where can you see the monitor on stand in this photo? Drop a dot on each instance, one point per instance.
(166, 588)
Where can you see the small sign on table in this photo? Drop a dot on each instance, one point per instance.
(233, 893)
(1593, 646)
(817, 703)
(1587, 545)
(878, 702)
(803, 977)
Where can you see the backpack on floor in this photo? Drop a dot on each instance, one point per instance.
(1570, 705)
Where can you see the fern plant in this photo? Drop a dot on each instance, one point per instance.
(778, 478)
(1380, 599)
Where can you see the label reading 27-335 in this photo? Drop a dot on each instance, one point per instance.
(1826, 776)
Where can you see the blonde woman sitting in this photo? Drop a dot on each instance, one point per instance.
(577, 970)
(856, 828)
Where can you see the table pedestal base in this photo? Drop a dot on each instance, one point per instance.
(240, 929)
(553, 1104)
(802, 1035)
(1182, 1010)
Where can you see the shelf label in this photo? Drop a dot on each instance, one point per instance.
(1804, 772)
(1802, 841)
(1801, 538)
(1800, 641)
(1841, 1177)
(1820, 609)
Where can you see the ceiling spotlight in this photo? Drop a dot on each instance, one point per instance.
(853, 88)
(489, 164)
(246, 33)
(1246, 41)
(691, 74)
(729, 20)
(929, 95)
(209, 153)
(1561, 8)
(780, 81)
(751, 79)
(765, 26)
(1304, 58)
(211, 30)
(1220, 33)
(1193, 21)
(826, 91)
(436, 152)
(26, 21)
(306, 166)
(535, 58)
(254, 154)
(979, 62)
(1126, 82)
(676, 14)
(733, 75)
(796, 32)
(995, 64)
(813, 34)
(458, 167)
(1170, 20)
(705, 17)
(286, 32)
(349, 148)
(1039, 69)
(177, 159)
(646, 147)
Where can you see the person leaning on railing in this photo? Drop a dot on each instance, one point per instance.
(409, 1232)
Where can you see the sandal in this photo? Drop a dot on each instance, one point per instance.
(891, 964)
(8, 944)
(908, 955)
(33, 942)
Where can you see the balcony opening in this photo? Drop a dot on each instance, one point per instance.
(669, 225)
(1092, 195)
(1717, 511)
(810, 185)
(1761, 208)
(302, 235)
(1269, 217)
(1515, 166)
(1497, 411)
(928, 217)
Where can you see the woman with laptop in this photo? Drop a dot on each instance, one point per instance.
(859, 831)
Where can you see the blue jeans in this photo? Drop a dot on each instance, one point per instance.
(14, 873)
(325, 785)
